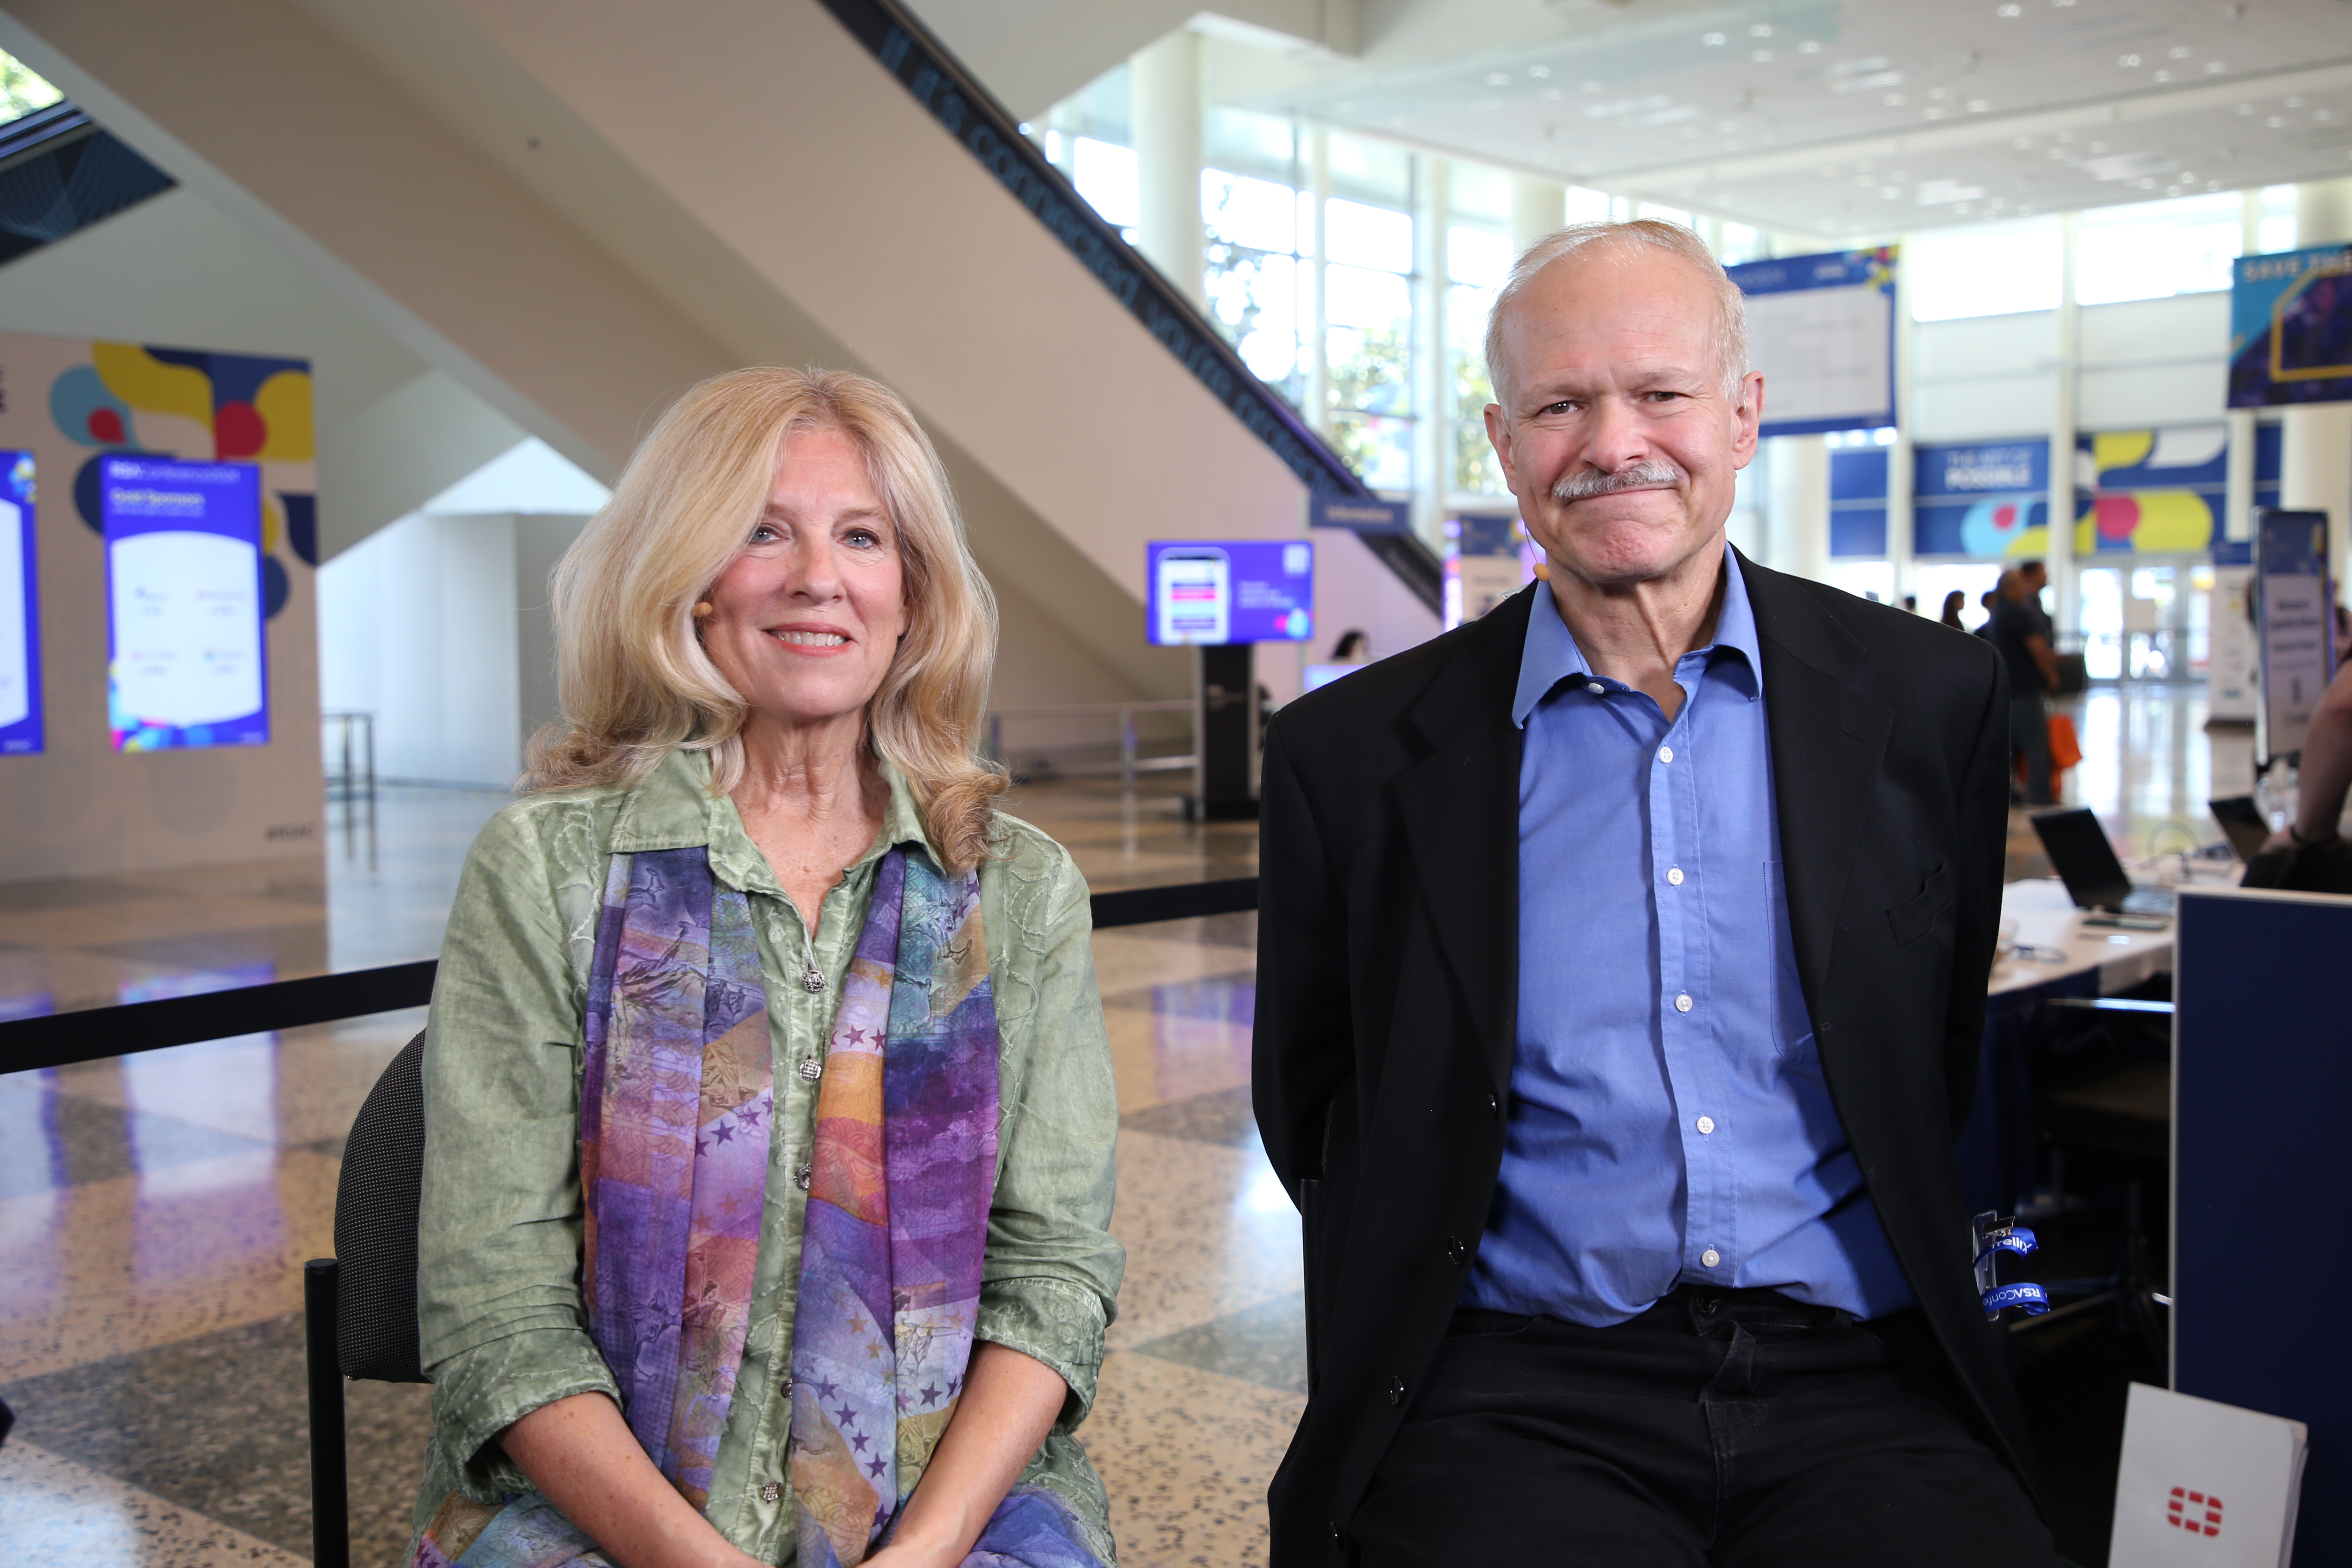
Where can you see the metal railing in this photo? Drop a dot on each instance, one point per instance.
(1131, 762)
(347, 737)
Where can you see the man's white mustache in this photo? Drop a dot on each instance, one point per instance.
(1644, 474)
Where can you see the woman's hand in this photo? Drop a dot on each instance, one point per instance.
(1008, 1405)
(582, 1456)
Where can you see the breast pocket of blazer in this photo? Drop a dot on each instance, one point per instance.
(1916, 916)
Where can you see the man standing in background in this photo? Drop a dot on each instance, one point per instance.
(2022, 634)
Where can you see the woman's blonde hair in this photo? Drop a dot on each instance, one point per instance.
(632, 675)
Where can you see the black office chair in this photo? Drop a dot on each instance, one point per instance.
(359, 1307)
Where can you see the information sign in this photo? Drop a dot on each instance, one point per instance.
(2298, 632)
(20, 611)
(1364, 514)
(2291, 328)
(1821, 330)
(185, 660)
(1245, 591)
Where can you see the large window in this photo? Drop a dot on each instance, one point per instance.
(2155, 249)
(1368, 308)
(1993, 270)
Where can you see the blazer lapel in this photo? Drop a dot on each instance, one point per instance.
(1828, 740)
(1460, 808)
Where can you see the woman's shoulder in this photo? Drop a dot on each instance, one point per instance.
(551, 830)
(1027, 865)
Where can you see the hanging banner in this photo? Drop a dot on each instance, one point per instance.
(2298, 629)
(1821, 330)
(2291, 328)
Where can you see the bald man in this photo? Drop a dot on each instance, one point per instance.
(1622, 968)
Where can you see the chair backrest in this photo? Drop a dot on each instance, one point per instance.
(375, 1227)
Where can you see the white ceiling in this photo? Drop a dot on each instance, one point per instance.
(1833, 117)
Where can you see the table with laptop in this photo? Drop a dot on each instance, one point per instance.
(2091, 932)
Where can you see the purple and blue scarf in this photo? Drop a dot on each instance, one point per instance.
(674, 1143)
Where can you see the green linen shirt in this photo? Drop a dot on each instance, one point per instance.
(503, 1326)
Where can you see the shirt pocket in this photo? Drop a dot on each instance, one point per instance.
(1917, 916)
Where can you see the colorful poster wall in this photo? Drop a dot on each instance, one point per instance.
(20, 610)
(131, 777)
(2145, 492)
(1821, 330)
(2291, 328)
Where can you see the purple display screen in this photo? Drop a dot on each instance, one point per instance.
(1231, 592)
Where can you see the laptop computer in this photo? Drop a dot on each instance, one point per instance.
(2242, 822)
(2079, 852)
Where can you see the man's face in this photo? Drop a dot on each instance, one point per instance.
(2031, 581)
(1615, 436)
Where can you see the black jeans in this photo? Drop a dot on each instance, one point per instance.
(1731, 1428)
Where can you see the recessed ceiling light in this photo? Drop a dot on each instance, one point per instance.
(1713, 40)
(1539, 72)
(1498, 79)
(2274, 122)
(1760, 30)
(2245, 108)
(2214, 67)
(1980, 105)
(1810, 47)
(2127, 60)
(2011, 10)
(2294, 103)
(1894, 100)
(1935, 112)
(1939, 92)
(2164, 76)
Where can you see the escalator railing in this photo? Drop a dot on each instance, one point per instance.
(970, 114)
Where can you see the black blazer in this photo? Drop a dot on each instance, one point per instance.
(1388, 948)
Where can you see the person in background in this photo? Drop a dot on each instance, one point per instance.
(2021, 634)
(1911, 604)
(2309, 855)
(754, 951)
(1353, 647)
(1986, 601)
(1952, 602)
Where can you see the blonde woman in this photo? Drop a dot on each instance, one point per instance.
(768, 1108)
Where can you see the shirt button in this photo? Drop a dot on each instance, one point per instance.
(811, 1069)
(1674, 876)
(1707, 1124)
(1665, 754)
(1595, 688)
(1682, 1004)
(771, 1492)
(801, 1177)
(1396, 1391)
(1710, 1258)
(788, 1388)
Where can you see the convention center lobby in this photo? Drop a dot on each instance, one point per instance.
(328, 330)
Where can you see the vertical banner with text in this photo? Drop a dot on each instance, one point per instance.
(2298, 632)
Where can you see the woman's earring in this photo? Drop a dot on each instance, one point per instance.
(701, 608)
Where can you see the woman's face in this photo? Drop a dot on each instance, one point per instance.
(806, 620)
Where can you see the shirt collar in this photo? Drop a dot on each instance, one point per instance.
(1550, 655)
(672, 808)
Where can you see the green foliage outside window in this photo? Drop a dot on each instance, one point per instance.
(22, 90)
(1475, 469)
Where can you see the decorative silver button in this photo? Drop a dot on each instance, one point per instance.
(1710, 1258)
(788, 1388)
(1707, 1124)
(801, 1177)
(1674, 875)
(769, 1491)
(812, 979)
(811, 1069)
(1683, 1003)
(1665, 754)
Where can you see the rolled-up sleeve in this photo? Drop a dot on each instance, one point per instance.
(502, 1327)
(1050, 1284)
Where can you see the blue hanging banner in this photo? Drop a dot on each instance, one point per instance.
(2291, 328)
(1363, 514)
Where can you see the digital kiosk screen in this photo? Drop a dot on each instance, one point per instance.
(184, 651)
(20, 611)
(1232, 592)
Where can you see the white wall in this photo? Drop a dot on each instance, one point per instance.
(2145, 363)
(419, 627)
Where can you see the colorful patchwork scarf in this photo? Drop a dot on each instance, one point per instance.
(673, 1153)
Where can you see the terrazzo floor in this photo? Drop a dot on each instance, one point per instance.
(155, 1209)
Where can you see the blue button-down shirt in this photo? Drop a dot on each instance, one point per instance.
(1669, 1123)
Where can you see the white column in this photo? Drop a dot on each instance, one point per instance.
(2066, 593)
(1537, 207)
(1319, 388)
(2238, 493)
(1799, 526)
(1165, 83)
(1432, 380)
(2316, 464)
(1899, 457)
